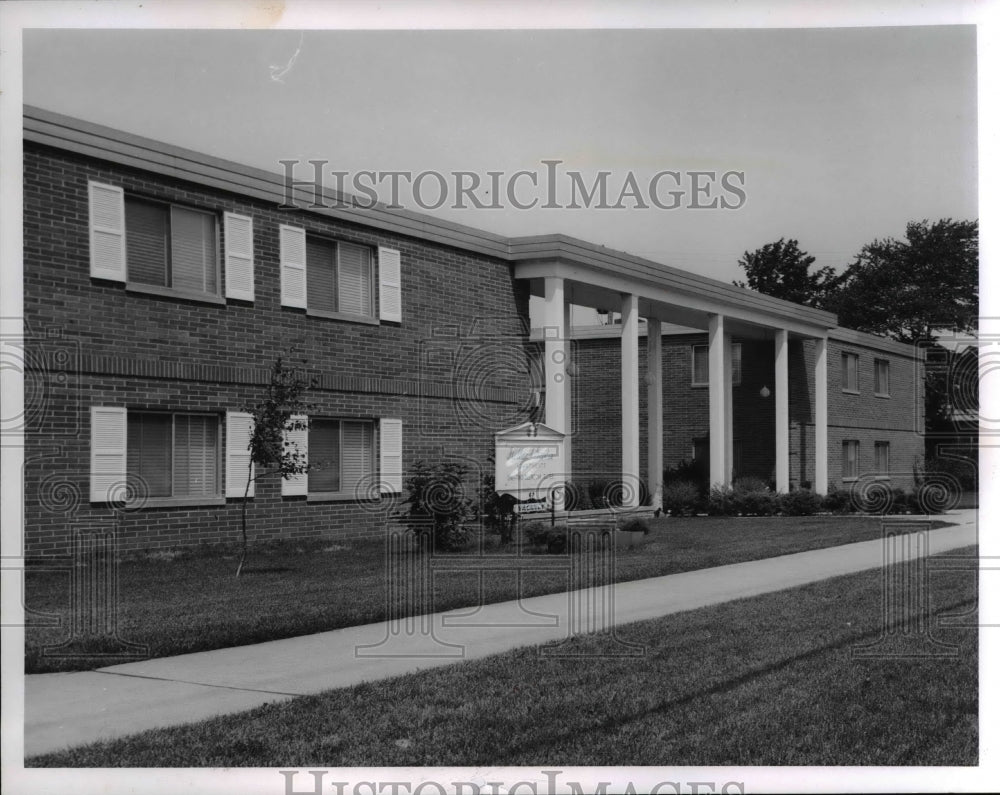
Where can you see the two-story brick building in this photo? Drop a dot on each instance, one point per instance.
(161, 284)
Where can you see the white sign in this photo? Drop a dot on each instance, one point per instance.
(530, 461)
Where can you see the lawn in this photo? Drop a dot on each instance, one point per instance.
(194, 603)
(772, 680)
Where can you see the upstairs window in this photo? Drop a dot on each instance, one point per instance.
(882, 377)
(699, 364)
(849, 372)
(338, 277)
(171, 247)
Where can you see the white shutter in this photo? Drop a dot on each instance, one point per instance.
(391, 456)
(108, 432)
(390, 298)
(297, 485)
(107, 231)
(239, 427)
(293, 266)
(239, 256)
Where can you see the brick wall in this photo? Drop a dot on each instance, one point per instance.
(454, 371)
(862, 416)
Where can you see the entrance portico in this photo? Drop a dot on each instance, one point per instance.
(565, 271)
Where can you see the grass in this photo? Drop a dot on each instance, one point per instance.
(193, 602)
(770, 680)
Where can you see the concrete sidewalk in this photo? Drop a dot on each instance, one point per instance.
(64, 710)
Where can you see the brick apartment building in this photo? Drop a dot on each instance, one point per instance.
(161, 284)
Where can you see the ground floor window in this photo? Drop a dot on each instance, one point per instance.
(882, 458)
(341, 455)
(851, 456)
(173, 455)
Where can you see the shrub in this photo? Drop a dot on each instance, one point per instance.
(577, 498)
(720, 501)
(541, 534)
(603, 493)
(959, 471)
(681, 498)
(635, 526)
(752, 497)
(800, 503)
(688, 471)
(837, 501)
(438, 508)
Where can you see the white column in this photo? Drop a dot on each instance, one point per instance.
(717, 400)
(554, 332)
(727, 371)
(630, 398)
(568, 388)
(781, 409)
(654, 411)
(820, 483)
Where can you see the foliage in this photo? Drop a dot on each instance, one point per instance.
(751, 496)
(689, 471)
(496, 510)
(681, 498)
(604, 492)
(800, 502)
(907, 289)
(781, 269)
(951, 379)
(635, 525)
(577, 498)
(271, 452)
(751, 485)
(438, 506)
(838, 501)
(542, 534)
(720, 501)
(957, 471)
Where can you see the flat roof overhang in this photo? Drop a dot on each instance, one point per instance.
(596, 277)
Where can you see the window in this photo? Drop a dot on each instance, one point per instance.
(882, 377)
(851, 455)
(338, 277)
(882, 458)
(849, 372)
(699, 364)
(171, 247)
(341, 453)
(174, 455)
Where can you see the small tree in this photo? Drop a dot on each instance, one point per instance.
(270, 450)
(438, 508)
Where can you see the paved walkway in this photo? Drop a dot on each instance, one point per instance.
(63, 710)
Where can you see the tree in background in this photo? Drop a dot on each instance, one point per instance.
(781, 270)
(907, 289)
(904, 289)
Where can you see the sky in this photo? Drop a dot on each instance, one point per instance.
(842, 135)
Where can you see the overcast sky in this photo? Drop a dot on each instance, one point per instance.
(843, 134)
